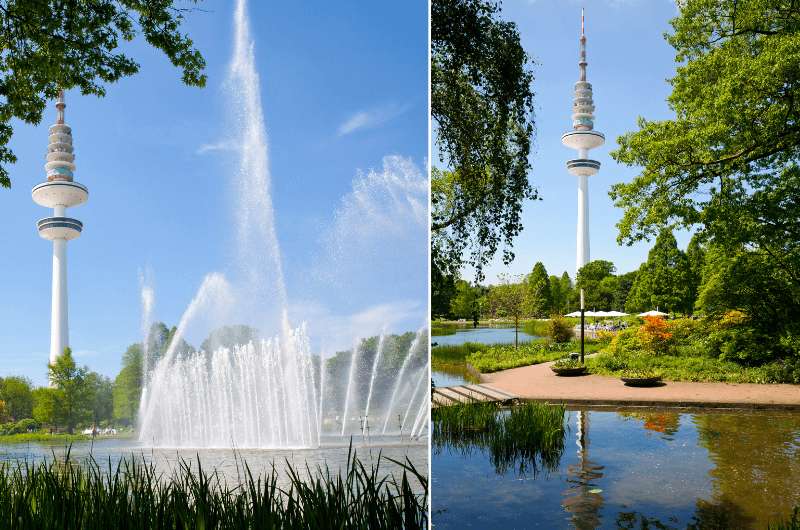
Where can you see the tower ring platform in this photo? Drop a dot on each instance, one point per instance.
(51, 228)
(583, 167)
(59, 193)
(583, 139)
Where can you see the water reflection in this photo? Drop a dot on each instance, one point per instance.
(583, 497)
(634, 469)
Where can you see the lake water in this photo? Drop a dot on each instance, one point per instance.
(332, 452)
(482, 335)
(659, 469)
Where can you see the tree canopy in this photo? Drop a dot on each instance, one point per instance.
(50, 45)
(727, 163)
(664, 281)
(482, 109)
(538, 296)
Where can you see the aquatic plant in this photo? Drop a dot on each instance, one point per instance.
(59, 494)
(792, 523)
(528, 438)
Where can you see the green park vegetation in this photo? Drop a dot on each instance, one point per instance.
(133, 495)
(527, 438)
(502, 357)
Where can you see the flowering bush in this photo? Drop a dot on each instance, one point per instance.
(655, 336)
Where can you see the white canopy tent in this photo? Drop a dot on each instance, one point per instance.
(652, 313)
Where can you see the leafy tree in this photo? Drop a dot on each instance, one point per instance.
(73, 396)
(664, 280)
(589, 279)
(727, 164)
(558, 298)
(465, 302)
(509, 300)
(128, 385)
(750, 282)
(695, 254)
(567, 292)
(17, 394)
(50, 45)
(538, 298)
(482, 109)
(443, 289)
(44, 405)
(101, 405)
(624, 284)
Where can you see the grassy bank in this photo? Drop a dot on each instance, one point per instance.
(683, 368)
(50, 495)
(452, 359)
(528, 438)
(439, 328)
(43, 437)
(502, 357)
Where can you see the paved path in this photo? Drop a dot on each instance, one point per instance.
(538, 382)
(450, 395)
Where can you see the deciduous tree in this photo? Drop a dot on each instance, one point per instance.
(51, 44)
(482, 110)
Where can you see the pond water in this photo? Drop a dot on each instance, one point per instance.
(483, 335)
(333, 453)
(658, 469)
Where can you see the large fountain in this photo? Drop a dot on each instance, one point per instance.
(271, 391)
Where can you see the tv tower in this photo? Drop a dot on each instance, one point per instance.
(582, 138)
(59, 192)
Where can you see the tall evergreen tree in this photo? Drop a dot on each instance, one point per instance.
(538, 299)
(696, 255)
(589, 278)
(664, 280)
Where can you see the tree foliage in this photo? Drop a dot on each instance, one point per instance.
(664, 281)
(590, 277)
(17, 394)
(72, 395)
(128, 385)
(727, 164)
(482, 109)
(538, 296)
(51, 44)
(465, 302)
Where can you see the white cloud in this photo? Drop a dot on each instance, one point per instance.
(368, 119)
(222, 145)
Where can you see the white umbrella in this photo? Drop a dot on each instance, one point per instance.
(573, 314)
(652, 313)
(617, 314)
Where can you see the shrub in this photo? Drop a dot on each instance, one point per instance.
(626, 341)
(654, 335)
(559, 329)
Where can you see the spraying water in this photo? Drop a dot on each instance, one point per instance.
(263, 392)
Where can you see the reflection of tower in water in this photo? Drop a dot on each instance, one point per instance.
(582, 498)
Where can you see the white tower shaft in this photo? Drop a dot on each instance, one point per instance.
(583, 223)
(59, 322)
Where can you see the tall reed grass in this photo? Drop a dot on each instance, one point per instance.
(528, 438)
(65, 494)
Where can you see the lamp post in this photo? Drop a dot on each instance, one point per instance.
(582, 309)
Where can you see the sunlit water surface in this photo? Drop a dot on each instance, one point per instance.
(634, 469)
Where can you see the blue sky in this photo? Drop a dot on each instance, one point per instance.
(344, 89)
(629, 62)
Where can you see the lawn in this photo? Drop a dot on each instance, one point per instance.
(502, 357)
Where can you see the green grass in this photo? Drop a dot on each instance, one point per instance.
(439, 328)
(133, 495)
(528, 438)
(43, 437)
(537, 328)
(495, 358)
(679, 368)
